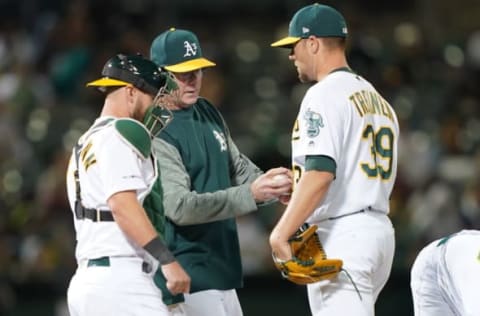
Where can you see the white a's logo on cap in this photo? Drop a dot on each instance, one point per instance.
(190, 49)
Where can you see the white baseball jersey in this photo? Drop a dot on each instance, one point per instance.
(107, 164)
(445, 276)
(343, 117)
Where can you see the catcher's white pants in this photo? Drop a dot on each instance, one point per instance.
(445, 278)
(209, 303)
(119, 289)
(366, 244)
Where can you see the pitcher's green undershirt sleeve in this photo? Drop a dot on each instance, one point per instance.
(320, 163)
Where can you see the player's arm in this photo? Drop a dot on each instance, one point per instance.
(134, 222)
(121, 180)
(244, 171)
(186, 207)
(308, 194)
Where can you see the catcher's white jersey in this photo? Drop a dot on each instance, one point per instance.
(445, 276)
(107, 164)
(343, 117)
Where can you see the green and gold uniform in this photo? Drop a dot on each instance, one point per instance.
(206, 183)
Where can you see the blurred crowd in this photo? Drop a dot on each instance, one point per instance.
(423, 56)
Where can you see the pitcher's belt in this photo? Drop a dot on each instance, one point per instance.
(368, 209)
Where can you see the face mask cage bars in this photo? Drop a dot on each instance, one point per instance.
(159, 115)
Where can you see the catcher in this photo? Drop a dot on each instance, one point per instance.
(118, 218)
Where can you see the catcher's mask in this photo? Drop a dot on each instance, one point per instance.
(144, 75)
(158, 115)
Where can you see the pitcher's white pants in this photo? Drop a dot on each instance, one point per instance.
(366, 244)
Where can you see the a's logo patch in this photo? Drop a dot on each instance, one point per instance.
(314, 122)
(190, 49)
(221, 140)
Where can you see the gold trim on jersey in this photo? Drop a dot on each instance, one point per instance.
(295, 131)
(370, 102)
(88, 159)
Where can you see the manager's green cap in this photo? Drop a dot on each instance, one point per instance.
(317, 20)
(178, 51)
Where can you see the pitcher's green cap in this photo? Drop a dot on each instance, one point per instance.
(317, 20)
(178, 51)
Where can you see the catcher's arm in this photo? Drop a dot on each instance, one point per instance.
(308, 194)
(134, 222)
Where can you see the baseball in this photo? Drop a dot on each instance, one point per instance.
(279, 177)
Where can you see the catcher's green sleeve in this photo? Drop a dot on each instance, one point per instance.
(186, 207)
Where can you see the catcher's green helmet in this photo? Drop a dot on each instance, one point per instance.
(136, 70)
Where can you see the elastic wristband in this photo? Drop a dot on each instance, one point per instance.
(158, 250)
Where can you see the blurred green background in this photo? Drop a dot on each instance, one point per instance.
(422, 55)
